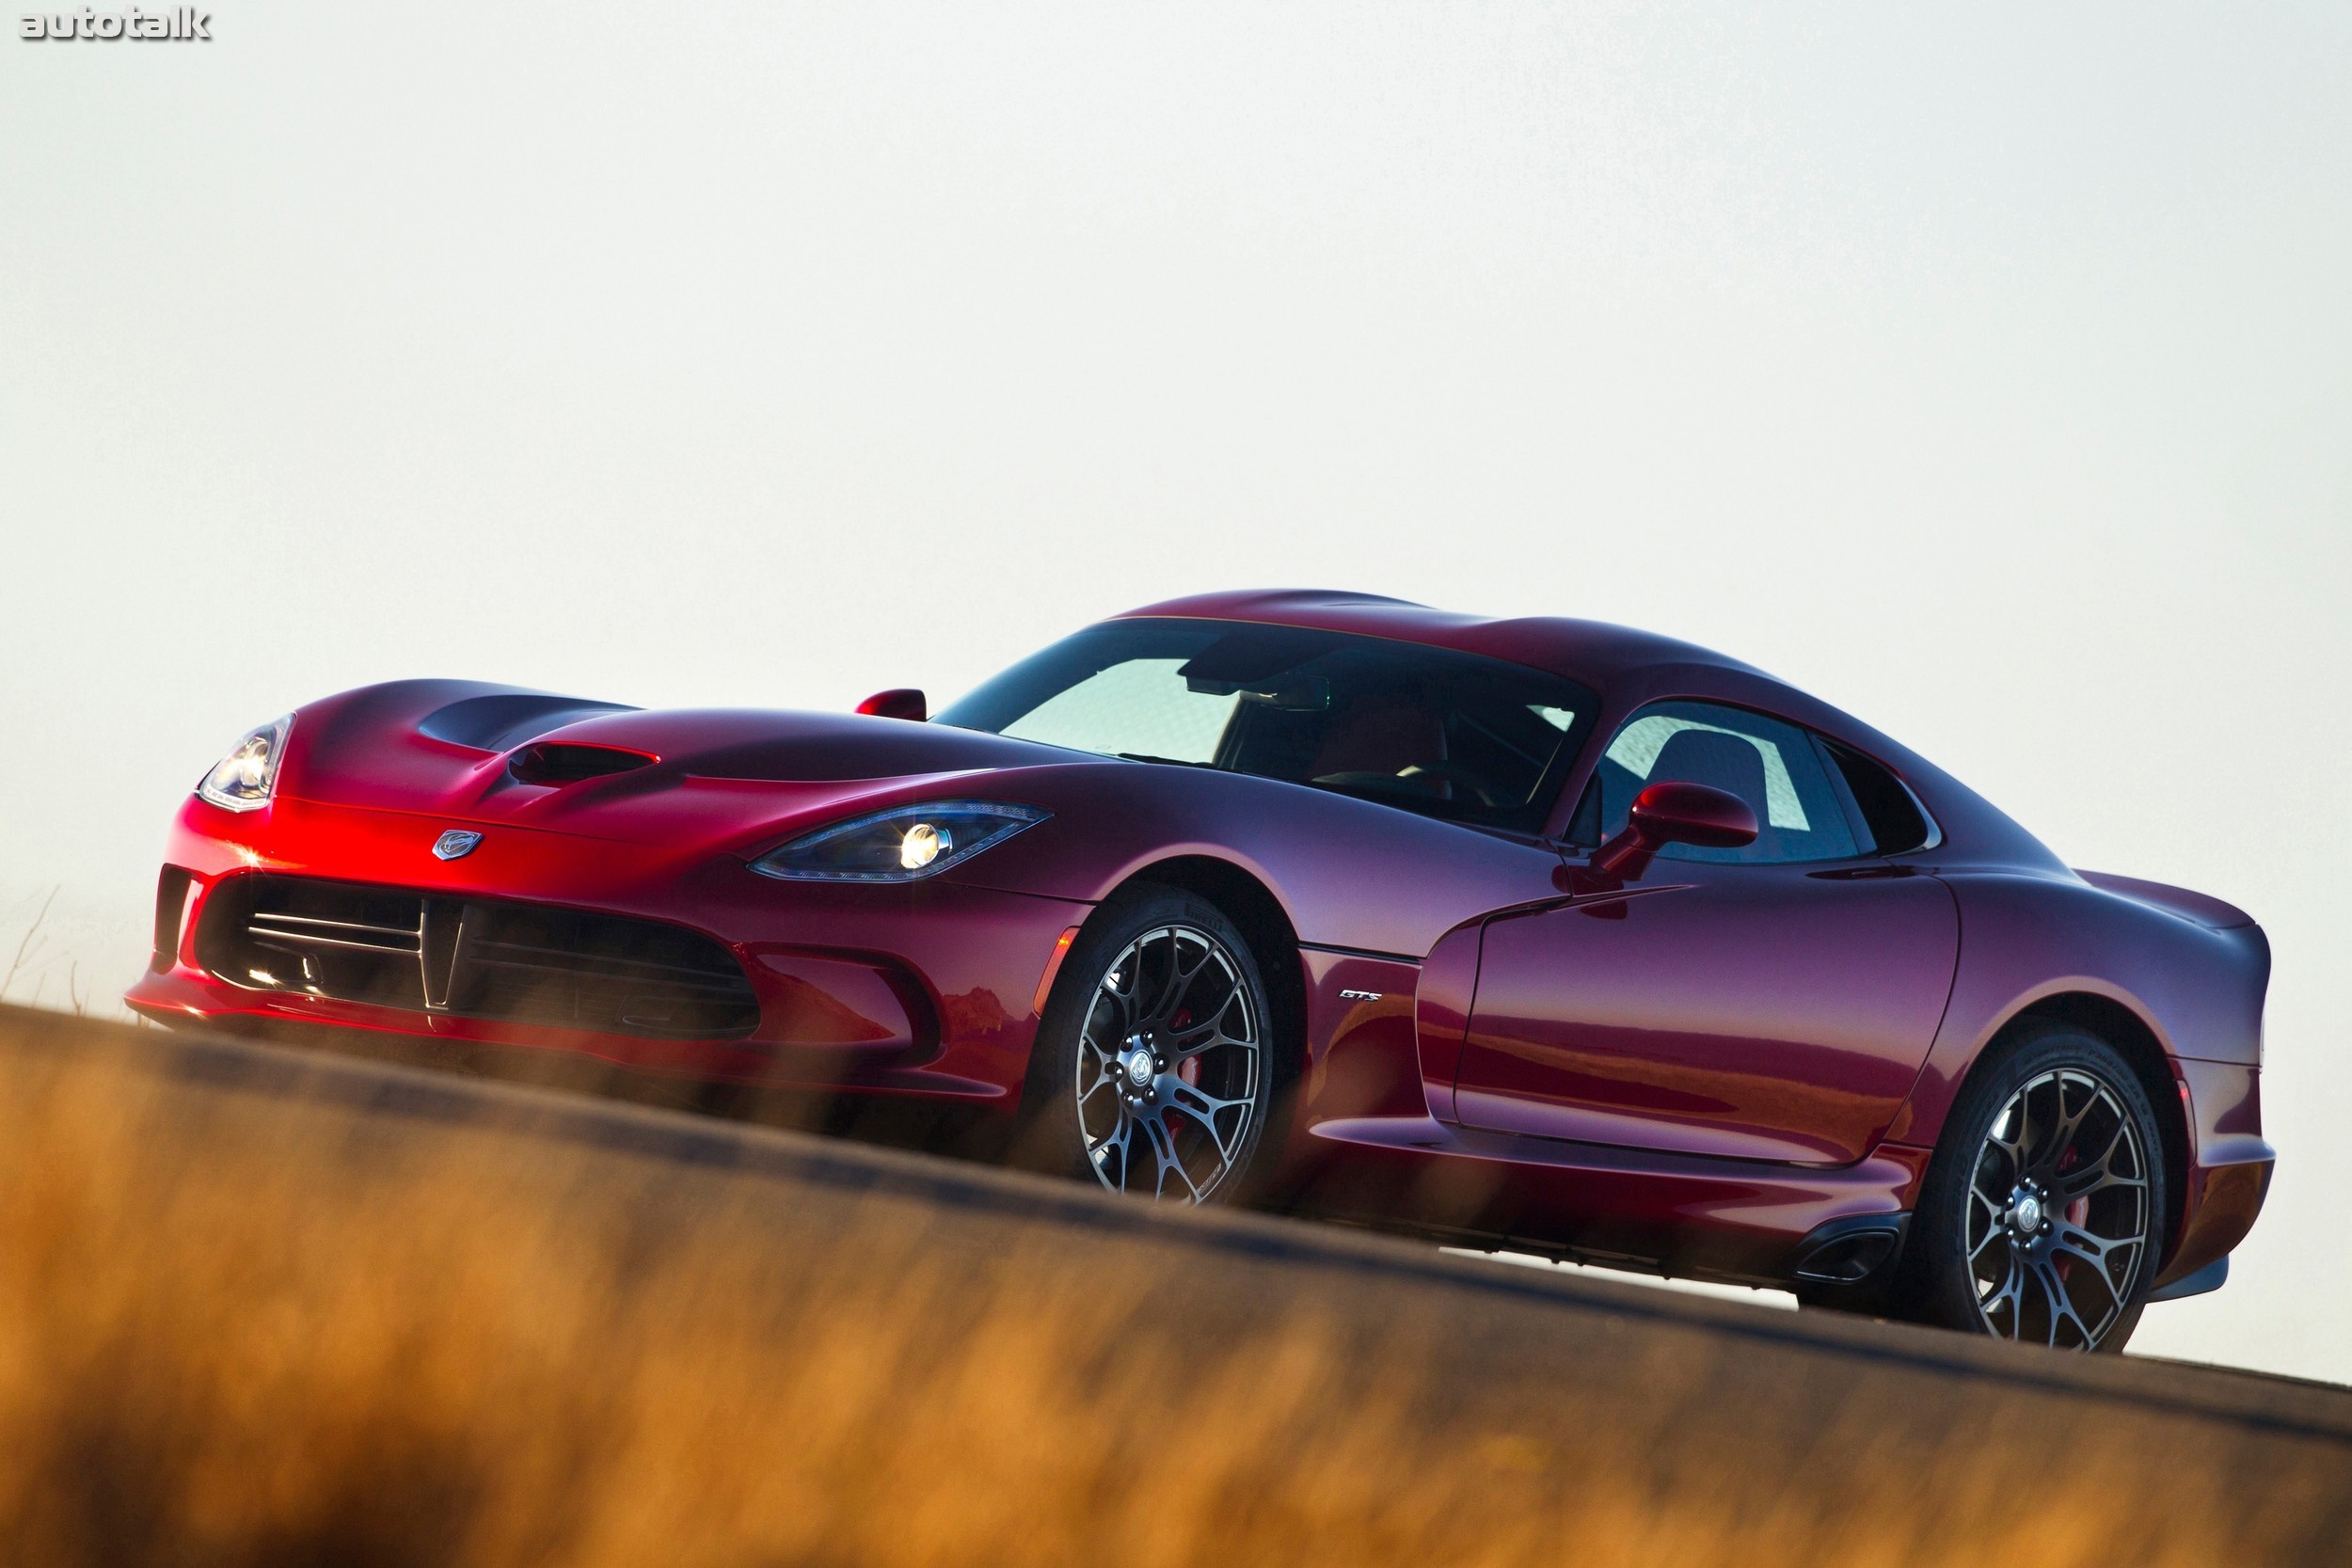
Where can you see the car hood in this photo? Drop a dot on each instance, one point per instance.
(731, 779)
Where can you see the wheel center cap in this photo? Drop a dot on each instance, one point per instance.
(2028, 1212)
(1140, 1067)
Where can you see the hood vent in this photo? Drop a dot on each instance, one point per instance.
(497, 721)
(556, 762)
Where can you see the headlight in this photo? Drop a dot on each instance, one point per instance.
(246, 775)
(904, 844)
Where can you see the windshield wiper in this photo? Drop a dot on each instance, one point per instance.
(1172, 762)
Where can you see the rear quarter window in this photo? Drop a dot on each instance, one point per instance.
(1889, 817)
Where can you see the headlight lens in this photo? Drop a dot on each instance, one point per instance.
(904, 844)
(247, 775)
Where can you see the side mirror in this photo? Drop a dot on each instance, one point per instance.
(900, 701)
(1674, 813)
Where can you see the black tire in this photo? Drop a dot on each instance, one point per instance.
(2041, 1218)
(1195, 1131)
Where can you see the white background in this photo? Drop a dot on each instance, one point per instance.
(1986, 373)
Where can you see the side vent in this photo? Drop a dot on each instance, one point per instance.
(1849, 1250)
(557, 763)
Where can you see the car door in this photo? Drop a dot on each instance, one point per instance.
(1771, 1003)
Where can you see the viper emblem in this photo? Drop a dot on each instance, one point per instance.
(455, 843)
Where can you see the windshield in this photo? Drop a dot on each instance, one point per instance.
(1428, 729)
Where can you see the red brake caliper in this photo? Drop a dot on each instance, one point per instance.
(1189, 1069)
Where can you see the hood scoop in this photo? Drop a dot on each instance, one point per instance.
(556, 762)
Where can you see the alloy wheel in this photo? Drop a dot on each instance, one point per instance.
(1170, 1066)
(2059, 1212)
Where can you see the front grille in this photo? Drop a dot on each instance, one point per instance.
(475, 958)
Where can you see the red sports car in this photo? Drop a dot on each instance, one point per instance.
(1535, 934)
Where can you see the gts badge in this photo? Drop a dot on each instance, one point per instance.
(456, 844)
(1361, 996)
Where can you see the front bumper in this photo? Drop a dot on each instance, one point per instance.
(926, 988)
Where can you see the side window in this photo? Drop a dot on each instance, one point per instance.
(1771, 766)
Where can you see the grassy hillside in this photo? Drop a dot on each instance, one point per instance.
(262, 1310)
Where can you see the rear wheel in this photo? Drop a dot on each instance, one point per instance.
(2040, 1219)
(1152, 1072)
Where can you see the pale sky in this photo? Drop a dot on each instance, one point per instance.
(1987, 372)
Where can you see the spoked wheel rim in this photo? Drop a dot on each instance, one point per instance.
(1169, 1063)
(2059, 1212)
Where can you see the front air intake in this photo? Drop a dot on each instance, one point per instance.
(475, 958)
(172, 905)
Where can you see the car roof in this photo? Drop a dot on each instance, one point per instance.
(1581, 650)
(1631, 668)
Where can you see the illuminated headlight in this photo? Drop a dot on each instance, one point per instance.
(246, 776)
(921, 845)
(902, 845)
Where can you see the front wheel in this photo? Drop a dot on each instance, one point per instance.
(2041, 1217)
(1152, 1071)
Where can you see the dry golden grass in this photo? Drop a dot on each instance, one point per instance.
(240, 1328)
